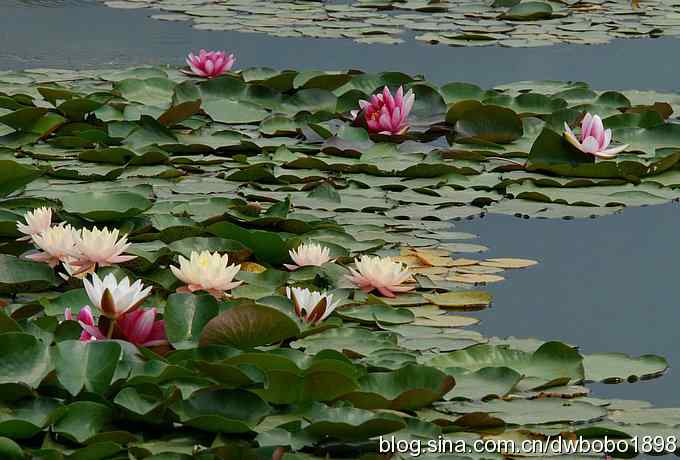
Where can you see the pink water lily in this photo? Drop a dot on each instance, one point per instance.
(141, 328)
(209, 64)
(86, 321)
(593, 138)
(387, 114)
(138, 327)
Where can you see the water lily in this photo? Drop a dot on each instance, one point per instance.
(309, 254)
(101, 248)
(387, 114)
(86, 321)
(209, 64)
(593, 138)
(311, 306)
(75, 272)
(381, 273)
(141, 328)
(37, 221)
(58, 244)
(115, 298)
(206, 271)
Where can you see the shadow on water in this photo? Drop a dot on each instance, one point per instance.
(85, 33)
(606, 284)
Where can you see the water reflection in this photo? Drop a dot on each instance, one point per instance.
(606, 284)
(88, 34)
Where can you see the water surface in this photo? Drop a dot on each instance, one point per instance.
(86, 33)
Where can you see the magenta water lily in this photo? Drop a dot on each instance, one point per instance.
(593, 138)
(387, 114)
(209, 64)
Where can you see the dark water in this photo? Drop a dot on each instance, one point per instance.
(84, 33)
(606, 284)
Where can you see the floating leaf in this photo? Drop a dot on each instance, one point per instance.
(249, 325)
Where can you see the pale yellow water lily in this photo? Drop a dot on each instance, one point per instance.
(74, 272)
(101, 248)
(311, 306)
(309, 254)
(381, 273)
(37, 221)
(115, 298)
(206, 271)
(58, 244)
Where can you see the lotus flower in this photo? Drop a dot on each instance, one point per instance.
(100, 247)
(208, 272)
(593, 138)
(37, 221)
(381, 273)
(86, 321)
(209, 64)
(141, 328)
(115, 298)
(58, 244)
(385, 114)
(309, 254)
(311, 306)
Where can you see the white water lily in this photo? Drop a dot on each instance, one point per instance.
(311, 306)
(58, 244)
(37, 221)
(206, 271)
(115, 298)
(101, 248)
(381, 273)
(309, 254)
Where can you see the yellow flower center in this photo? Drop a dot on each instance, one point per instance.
(203, 261)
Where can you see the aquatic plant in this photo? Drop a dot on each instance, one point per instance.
(309, 254)
(380, 273)
(58, 244)
(141, 328)
(593, 138)
(311, 306)
(37, 221)
(102, 248)
(209, 64)
(206, 271)
(87, 322)
(386, 114)
(203, 177)
(115, 298)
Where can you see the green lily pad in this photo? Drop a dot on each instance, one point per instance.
(249, 325)
(105, 207)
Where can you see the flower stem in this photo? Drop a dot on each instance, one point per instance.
(515, 162)
(112, 324)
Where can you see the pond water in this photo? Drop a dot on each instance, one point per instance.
(606, 284)
(85, 33)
